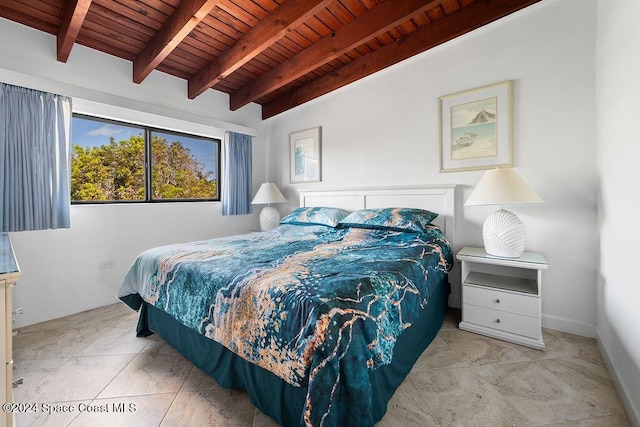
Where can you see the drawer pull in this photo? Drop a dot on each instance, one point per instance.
(497, 320)
(498, 301)
(18, 382)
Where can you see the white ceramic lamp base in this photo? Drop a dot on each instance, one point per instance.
(504, 234)
(269, 218)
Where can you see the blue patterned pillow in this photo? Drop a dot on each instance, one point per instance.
(318, 215)
(397, 219)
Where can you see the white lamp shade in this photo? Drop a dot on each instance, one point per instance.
(502, 186)
(268, 193)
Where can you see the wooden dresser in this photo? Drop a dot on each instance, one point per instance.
(9, 275)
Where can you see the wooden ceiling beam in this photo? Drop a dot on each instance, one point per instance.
(283, 20)
(181, 22)
(74, 14)
(371, 24)
(476, 15)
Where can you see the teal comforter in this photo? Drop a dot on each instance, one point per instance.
(316, 306)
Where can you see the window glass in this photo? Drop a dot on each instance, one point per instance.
(107, 161)
(118, 162)
(183, 167)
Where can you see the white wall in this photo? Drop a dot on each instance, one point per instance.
(60, 267)
(384, 130)
(618, 91)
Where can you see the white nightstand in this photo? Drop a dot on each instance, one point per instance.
(501, 297)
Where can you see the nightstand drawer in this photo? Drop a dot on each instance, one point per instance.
(502, 321)
(504, 301)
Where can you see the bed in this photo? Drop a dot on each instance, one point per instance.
(321, 319)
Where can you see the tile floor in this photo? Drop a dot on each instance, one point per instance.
(93, 361)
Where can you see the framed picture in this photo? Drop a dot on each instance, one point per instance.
(304, 155)
(476, 128)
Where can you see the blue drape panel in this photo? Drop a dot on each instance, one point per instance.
(34, 159)
(236, 183)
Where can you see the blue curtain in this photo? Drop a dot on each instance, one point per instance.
(236, 183)
(34, 159)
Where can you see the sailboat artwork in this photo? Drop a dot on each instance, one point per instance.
(474, 129)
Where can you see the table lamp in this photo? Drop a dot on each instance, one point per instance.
(503, 232)
(269, 216)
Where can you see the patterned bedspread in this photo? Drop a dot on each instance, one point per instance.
(318, 307)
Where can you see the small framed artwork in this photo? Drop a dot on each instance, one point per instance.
(304, 154)
(476, 128)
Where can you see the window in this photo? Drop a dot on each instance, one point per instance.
(121, 162)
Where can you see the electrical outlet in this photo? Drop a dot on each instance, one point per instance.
(106, 265)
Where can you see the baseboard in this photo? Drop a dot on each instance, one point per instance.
(631, 407)
(31, 318)
(568, 325)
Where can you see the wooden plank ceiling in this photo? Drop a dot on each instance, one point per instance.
(277, 53)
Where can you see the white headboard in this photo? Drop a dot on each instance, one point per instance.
(438, 199)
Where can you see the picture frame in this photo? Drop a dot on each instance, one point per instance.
(476, 128)
(305, 155)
